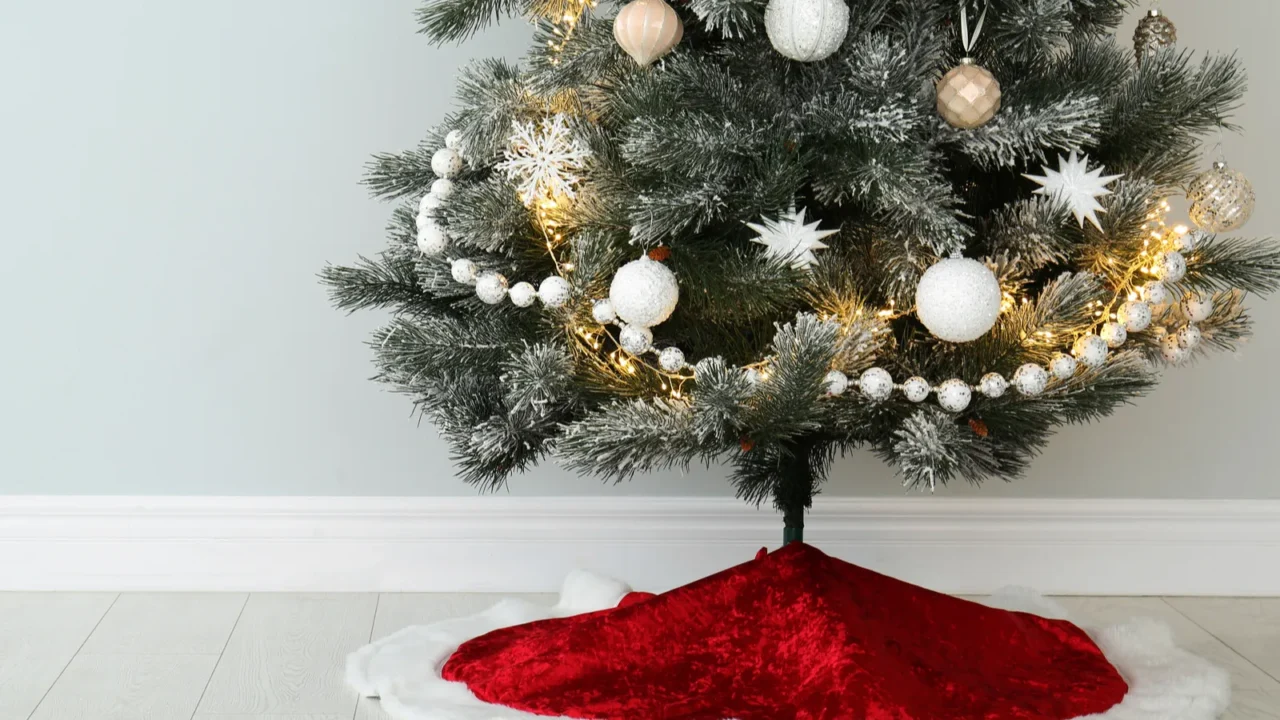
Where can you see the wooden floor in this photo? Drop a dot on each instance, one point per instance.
(207, 656)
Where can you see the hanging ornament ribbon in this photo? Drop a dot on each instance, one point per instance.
(968, 40)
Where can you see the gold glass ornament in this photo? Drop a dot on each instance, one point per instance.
(968, 96)
(1221, 199)
(1154, 31)
(647, 30)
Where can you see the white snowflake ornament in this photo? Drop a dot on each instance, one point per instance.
(1076, 185)
(790, 239)
(544, 158)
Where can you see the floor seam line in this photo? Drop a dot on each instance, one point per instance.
(377, 605)
(1225, 644)
(73, 657)
(221, 652)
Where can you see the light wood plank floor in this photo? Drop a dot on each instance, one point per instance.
(225, 656)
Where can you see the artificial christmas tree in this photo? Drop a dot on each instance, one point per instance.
(769, 248)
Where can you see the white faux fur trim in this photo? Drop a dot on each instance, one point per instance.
(403, 669)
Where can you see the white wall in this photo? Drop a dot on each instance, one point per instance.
(173, 174)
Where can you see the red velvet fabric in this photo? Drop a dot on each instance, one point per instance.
(793, 635)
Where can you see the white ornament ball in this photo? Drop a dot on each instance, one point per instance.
(1090, 350)
(1155, 293)
(1135, 315)
(464, 271)
(432, 239)
(644, 292)
(1197, 308)
(1189, 337)
(442, 188)
(491, 287)
(1031, 379)
(958, 299)
(522, 294)
(428, 203)
(916, 389)
(835, 383)
(806, 30)
(453, 140)
(1114, 334)
(1171, 266)
(954, 395)
(671, 359)
(554, 291)
(446, 163)
(602, 312)
(1063, 366)
(635, 339)
(993, 385)
(876, 384)
(1171, 349)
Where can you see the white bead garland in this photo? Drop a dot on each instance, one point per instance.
(1063, 366)
(453, 140)
(1135, 315)
(1090, 350)
(522, 294)
(442, 188)
(876, 383)
(1197, 308)
(1155, 293)
(635, 339)
(1189, 337)
(1113, 334)
(993, 385)
(602, 312)
(916, 389)
(491, 287)
(554, 291)
(464, 271)
(1171, 349)
(954, 395)
(1031, 379)
(835, 383)
(1171, 266)
(446, 163)
(432, 238)
(671, 359)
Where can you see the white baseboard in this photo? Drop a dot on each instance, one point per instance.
(1102, 547)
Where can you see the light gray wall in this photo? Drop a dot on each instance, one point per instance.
(173, 174)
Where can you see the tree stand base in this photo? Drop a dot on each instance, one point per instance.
(790, 635)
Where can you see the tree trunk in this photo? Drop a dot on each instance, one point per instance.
(793, 494)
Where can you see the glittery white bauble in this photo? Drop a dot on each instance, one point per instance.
(1171, 349)
(554, 291)
(1090, 350)
(1063, 366)
(806, 30)
(603, 312)
(428, 203)
(522, 294)
(635, 339)
(1113, 334)
(916, 389)
(491, 287)
(1155, 293)
(1171, 266)
(1197, 308)
(1189, 337)
(1222, 199)
(835, 383)
(1135, 314)
(958, 299)
(993, 385)
(442, 188)
(644, 292)
(671, 359)
(453, 140)
(1031, 379)
(876, 384)
(954, 395)
(446, 163)
(432, 239)
(464, 271)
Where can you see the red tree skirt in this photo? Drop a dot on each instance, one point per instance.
(795, 635)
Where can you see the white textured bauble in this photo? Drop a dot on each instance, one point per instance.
(916, 389)
(1171, 349)
(432, 239)
(635, 339)
(522, 294)
(835, 383)
(602, 312)
(671, 359)
(446, 163)
(993, 385)
(1135, 315)
(1063, 366)
(958, 299)
(1197, 308)
(428, 203)
(1189, 337)
(1090, 350)
(1171, 266)
(1155, 293)
(442, 188)
(1113, 334)
(453, 140)
(1031, 379)
(464, 271)
(491, 287)
(644, 292)
(954, 395)
(876, 384)
(554, 291)
(806, 30)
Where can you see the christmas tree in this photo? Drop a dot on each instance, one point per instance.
(767, 234)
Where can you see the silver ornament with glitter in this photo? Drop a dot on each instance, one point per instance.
(993, 385)
(806, 30)
(635, 339)
(954, 395)
(671, 359)
(916, 389)
(876, 383)
(1031, 379)
(835, 383)
(1154, 31)
(958, 299)
(1221, 199)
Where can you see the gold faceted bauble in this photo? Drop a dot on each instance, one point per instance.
(647, 30)
(1221, 199)
(968, 96)
(1154, 31)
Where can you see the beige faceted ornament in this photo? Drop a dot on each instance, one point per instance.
(968, 96)
(647, 30)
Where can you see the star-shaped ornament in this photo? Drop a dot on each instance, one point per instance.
(789, 239)
(1076, 185)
